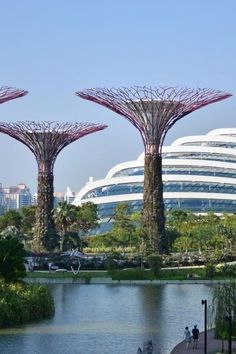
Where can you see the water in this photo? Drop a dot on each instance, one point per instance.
(106, 319)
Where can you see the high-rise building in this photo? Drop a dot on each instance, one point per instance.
(15, 197)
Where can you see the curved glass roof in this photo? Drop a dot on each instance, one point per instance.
(182, 170)
(168, 186)
(195, 155)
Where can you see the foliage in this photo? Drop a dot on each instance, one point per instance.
(51, 240)
(110, 265)
(224, 304)
(10, 218)
(73, 220)
(11, 259)
(210, 269)
(73, 240)
(20, 223)
(155, 263)
(64, 216)
(28, 222)
(20, 303)
(228, 270)
(122, 225)
(87, 218)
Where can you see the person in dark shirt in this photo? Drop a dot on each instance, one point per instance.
(195, 333)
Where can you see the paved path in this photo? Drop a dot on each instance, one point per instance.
(213, 345)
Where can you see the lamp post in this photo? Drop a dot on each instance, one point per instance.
(204, 302)
(229, 319)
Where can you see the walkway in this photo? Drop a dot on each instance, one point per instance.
(213, 345)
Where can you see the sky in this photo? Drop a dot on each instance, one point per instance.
(54, 48)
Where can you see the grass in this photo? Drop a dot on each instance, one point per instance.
(64, 275)
(130, 274)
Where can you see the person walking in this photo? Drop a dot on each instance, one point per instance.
(195, 333)
(187, 337)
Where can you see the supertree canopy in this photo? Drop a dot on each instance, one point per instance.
(46, 140)
(153, 111)
(9, 93)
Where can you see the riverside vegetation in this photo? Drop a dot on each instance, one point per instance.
(19, 302)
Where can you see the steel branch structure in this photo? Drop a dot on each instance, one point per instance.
(9, 93)
(46, 140)
(153, 111)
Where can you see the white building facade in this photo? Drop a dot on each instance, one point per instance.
(199, 174)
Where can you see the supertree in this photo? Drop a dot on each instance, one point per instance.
(153, 111)
(46, 140)
(9, 93)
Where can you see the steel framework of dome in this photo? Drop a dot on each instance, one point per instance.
(46, 140)
(153, 111)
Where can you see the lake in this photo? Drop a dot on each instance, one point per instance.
(111, 319)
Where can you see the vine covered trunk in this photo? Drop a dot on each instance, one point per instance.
(153, 215)
(44, 218)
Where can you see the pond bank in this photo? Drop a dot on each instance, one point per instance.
(108, 280)
(213, 345)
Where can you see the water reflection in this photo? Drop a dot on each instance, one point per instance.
(100, 319)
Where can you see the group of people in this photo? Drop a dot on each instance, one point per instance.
(191, 337)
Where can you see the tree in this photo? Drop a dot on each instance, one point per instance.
(73, 240)
(64, 215)
(123, 226)
(87, 218)
(224, 304)
(11, 218)
(28, 220)
(12, 255)
(51, 240)
(182, 244)
(228, 229)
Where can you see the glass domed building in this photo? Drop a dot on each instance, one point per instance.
(199, 174)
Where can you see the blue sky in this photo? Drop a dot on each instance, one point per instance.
(54, 48)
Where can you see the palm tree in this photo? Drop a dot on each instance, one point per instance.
(64, 215)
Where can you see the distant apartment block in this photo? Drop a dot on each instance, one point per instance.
(67, 196)
(19, 196)
(59, 197)
(14, 197)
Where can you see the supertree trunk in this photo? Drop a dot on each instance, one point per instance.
(44, 217)
(153, 215)
(46, 140)
(153, 111)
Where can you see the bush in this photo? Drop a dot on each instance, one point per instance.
(228, 269)
(210, 270)
(12, 255)
(155, 263)
(20, 303)
(110, 265)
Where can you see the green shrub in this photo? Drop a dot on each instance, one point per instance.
(12, 255)
(20, 303)
(210, 270)
(110, 265)
(228, 269)
(155, 263)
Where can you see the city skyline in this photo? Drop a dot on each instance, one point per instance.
(54, 51)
